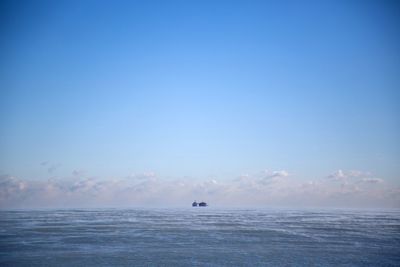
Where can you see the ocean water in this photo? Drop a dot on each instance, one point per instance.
(199, 237)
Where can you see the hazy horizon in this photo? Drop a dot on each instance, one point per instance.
(264, 189)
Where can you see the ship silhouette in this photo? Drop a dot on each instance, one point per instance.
(201, 204)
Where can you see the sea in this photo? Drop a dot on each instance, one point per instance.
(199, 237)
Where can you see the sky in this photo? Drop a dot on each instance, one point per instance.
(267, 103)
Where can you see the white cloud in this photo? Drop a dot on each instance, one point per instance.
(338, 175)
(353, 176)
(275, 174)
(372, 180)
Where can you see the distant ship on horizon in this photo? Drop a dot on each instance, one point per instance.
(201, 204)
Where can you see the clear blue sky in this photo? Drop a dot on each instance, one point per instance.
(200, 88)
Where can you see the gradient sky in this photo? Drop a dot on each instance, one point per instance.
(199, 89)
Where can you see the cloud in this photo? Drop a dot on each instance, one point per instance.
(275, 174)
(266, 189)
(353, 176)
(337, 175)
(372, 180)
(10, 185)
(78, 173)
(343, 175)
(51, 167)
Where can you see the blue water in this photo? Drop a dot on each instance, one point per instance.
(199, 237)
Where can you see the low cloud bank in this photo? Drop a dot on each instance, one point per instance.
(264, 189)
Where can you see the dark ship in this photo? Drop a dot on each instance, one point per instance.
(201, 204)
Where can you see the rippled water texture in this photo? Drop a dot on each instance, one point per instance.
(199, 237)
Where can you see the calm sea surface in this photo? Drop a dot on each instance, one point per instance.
(199, 237)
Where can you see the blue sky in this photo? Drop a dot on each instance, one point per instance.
(199, 89)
